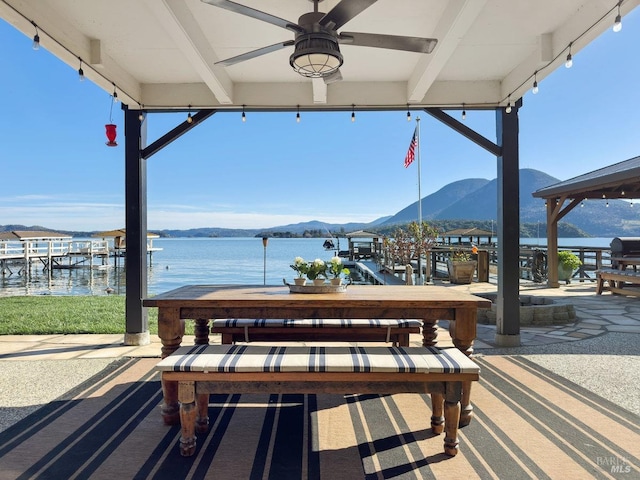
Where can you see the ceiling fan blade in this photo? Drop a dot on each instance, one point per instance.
(343, 12)
(393, 42)
(333, 78)
(257, 14)
(255, 53)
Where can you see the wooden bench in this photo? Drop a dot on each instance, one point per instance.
(316, 330)
(203, 369)
(616, 280)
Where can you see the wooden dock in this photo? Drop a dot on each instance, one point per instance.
(19, 250)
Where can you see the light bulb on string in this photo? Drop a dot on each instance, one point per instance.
(508, 109)
(80, 71)
(408, 114)
(464, 112)
(36, 38)
(535, 89)
(569, 62)
(115, 94)
(141, 114)
(631, 203)
(189, 117)
(607, 203)
(353, 113)
(244, 116)
(617, 25)
(298, 115)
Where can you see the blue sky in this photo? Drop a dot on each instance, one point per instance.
(57, 172)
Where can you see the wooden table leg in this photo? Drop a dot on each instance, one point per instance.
(201, 330)
(429, 333)
(463, 333)
(170, 331)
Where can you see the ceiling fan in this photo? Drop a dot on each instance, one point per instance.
(316, 52)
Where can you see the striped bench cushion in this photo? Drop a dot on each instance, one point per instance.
(243, 358)
(316, 323)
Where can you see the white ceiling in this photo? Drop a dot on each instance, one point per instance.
(162, 53)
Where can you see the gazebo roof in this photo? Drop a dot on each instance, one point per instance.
(162, 55)
(362, 234)
(620, 180)
(23, 235)
(121, 232)
(467, 232)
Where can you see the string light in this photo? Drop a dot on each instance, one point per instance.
(298, 115)
(353, 113)
(631, 203)
(535, 89)
(607, 203)
(569, 62)
(36, 37)
(141, 114)
(569, 59)
(408, 113)
(189, 117)
(244, 117)
(80, 71)
(582, 203)
(115, 94)
(617, 26)
(464, 112)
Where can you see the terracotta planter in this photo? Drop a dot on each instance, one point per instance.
(336, 281)
(318, 282)
(461, 272)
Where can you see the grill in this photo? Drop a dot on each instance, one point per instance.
(625, 246)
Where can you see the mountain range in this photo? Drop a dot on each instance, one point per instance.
(476, 199)
(472, 199)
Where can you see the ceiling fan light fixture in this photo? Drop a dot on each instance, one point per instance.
(316, 55)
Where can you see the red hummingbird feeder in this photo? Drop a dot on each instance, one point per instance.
(111, 134)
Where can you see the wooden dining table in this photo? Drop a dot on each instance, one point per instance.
(202, 303)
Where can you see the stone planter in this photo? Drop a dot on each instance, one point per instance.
(564, 273)
(461, 272)
(300, 281)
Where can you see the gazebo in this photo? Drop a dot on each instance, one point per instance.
(467, 235)
(217, 57)
(617, 181)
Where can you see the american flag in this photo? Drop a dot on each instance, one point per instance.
(411, 154)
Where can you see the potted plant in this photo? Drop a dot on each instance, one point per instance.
(301, 268)
(317, 271)
(461, 265)
(567, 263)
(336, 269)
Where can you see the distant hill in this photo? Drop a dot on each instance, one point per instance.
(477, 199)
(435, 203)
(472, 199)
(483, 203)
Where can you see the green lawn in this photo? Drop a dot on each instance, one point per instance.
(40, 315)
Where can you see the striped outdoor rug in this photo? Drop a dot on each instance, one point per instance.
(529, 423)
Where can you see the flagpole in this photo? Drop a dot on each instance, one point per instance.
(420, 282)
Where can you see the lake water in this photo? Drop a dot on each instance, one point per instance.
(201, 261)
